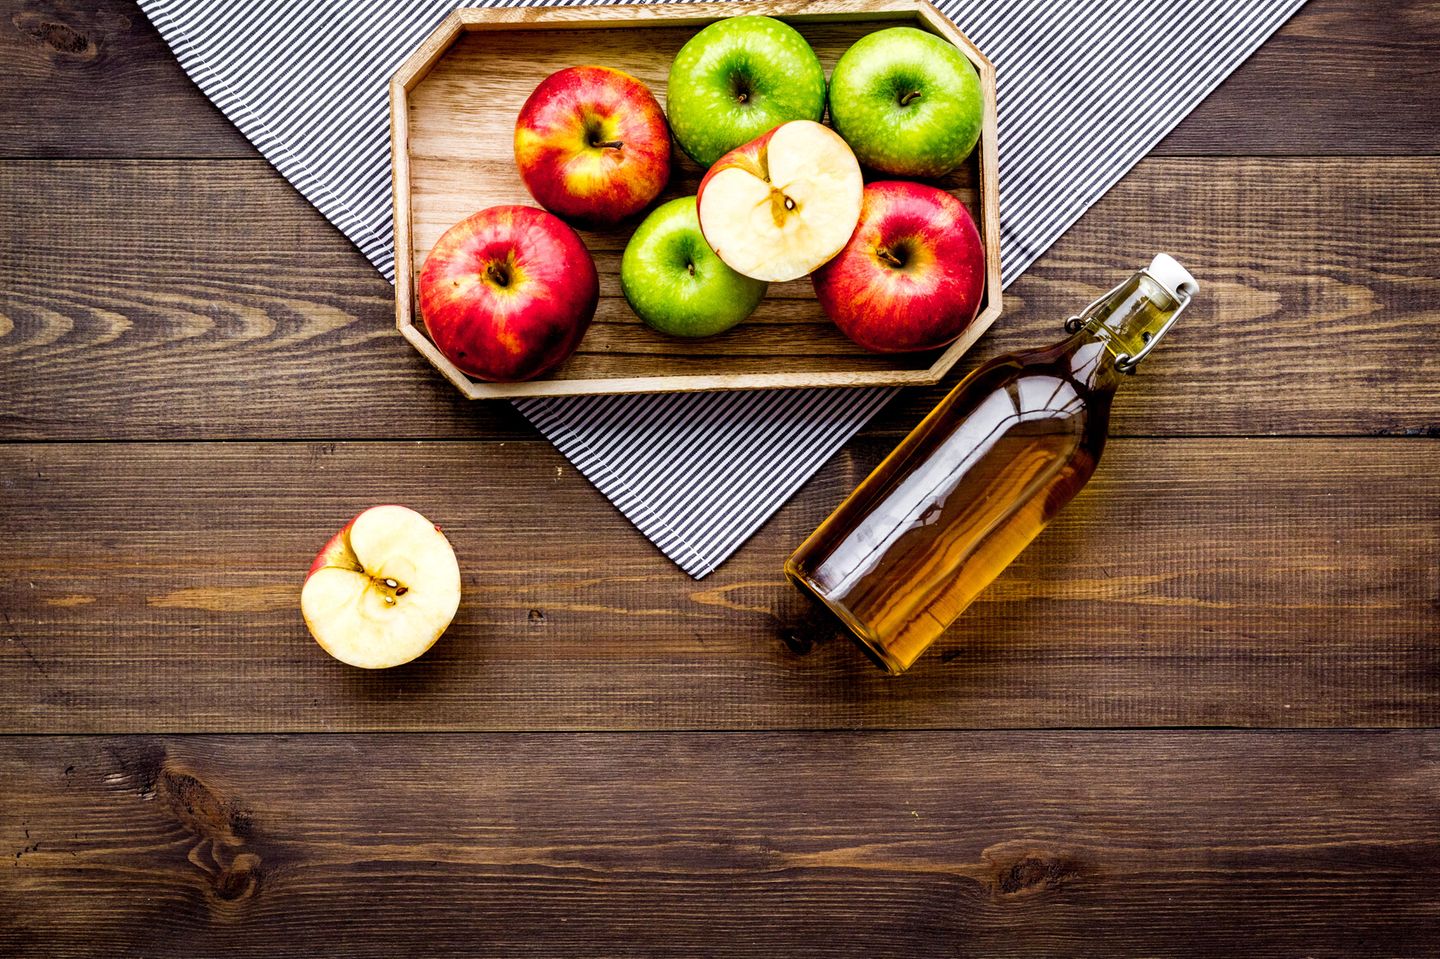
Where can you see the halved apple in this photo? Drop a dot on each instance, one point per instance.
(783, 204)
(382, 590)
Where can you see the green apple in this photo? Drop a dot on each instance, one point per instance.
(907, 102)
(739, 78)
(676, 283)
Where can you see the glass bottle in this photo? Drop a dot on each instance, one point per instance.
(982, 475)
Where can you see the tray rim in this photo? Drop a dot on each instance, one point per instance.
(671, 14)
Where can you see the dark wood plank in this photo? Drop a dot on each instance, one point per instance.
(207, 300)
(154, 587)
(1214, 844)
(95, 80)
(1339, 78)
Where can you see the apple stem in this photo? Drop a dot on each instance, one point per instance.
(890, 258)
(691, 268)
(497, 274)
(609, 145)
(909, 98)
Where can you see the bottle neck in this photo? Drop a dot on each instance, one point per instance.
(1124, 325)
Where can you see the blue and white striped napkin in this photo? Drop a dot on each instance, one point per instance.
(1085, 88)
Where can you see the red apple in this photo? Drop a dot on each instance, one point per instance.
(508, 292)
(382, 590)
(782, 204)
(591, 143)
(913, 274)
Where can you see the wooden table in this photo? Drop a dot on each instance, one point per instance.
(1198, 717)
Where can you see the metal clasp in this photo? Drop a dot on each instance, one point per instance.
(1124, 362)
(1080, 320)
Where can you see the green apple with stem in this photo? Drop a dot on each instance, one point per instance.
(675, 282)
(908, 102)
(737, 79)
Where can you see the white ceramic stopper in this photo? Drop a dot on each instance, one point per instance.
(1168, 272)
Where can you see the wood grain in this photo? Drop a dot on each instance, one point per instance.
(153, 587)
(95, 79)
(1339, 78)
(207, 300)
(958, 844)
(452, 153)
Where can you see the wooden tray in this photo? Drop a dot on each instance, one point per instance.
(453, 105)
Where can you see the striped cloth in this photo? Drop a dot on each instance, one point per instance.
(1085, 89)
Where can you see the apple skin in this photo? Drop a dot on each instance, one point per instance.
(508, 292)
(750, 156)
(591, 144)
(332, 552)
(675, 282)
(738, 78)
(912, 276)
(908, 103)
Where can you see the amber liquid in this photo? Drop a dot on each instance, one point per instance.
(959, 499)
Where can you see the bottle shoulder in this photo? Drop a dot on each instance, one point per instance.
(1068, 376)
(1038, 399)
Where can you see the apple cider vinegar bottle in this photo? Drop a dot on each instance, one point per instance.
(982, 475)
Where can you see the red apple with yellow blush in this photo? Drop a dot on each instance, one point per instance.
(592, 145)
(508, 292)
(912, 276)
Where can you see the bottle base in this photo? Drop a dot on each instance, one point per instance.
(857, 631)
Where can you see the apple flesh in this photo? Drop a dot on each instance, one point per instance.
(780, 206)
(738, 78)
(591, 144)
(382, 590)
(675, 282)
(912, 276)
(909, 103)
(508, 293)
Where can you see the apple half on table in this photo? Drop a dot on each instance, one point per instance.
(383, 590)
(783, 204)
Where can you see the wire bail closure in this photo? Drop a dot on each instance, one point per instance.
(1124, 362)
